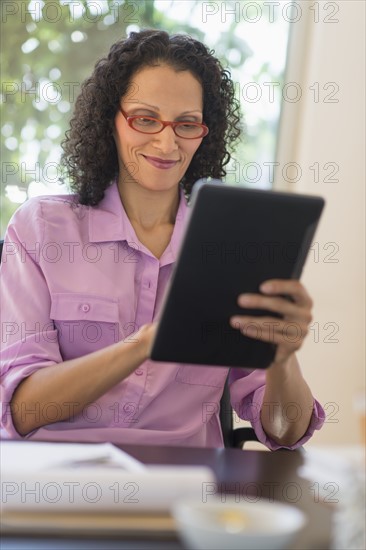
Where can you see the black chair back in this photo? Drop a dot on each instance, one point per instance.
(232, 438)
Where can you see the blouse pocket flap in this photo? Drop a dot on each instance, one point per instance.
(71, 307)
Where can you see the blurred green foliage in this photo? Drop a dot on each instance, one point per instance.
(48, 49)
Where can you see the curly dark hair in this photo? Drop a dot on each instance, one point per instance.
(92, 124)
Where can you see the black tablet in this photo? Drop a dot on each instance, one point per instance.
(235, 239)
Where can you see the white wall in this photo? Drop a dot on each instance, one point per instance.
(323, 132)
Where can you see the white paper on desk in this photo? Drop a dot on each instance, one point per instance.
(37, 456)
(37, 476)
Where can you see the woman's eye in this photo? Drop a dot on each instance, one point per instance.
(188, 127)
(145, 121)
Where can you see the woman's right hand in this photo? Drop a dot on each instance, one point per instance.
(147, 334)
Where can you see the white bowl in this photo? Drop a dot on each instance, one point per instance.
(235, 525)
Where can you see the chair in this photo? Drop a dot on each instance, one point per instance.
(235, 438)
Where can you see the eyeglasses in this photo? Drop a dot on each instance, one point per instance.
(152, 125)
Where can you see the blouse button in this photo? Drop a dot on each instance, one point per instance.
(85, 308)
(139, 372)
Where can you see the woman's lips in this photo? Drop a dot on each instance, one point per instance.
(160, 163)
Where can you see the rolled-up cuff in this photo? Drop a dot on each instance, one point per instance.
(316, 422)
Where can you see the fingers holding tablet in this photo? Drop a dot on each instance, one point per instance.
(289, 327)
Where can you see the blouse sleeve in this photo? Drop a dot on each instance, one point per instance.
(29, 340)
(247, 392)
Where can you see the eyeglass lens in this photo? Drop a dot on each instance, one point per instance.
(148, 125)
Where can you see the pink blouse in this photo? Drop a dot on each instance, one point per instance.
(75, 279)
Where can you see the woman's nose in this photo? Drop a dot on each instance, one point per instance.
(166, 140)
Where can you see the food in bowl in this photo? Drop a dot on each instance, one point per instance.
(232, 525)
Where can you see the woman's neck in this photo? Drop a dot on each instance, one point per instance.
(149, 209)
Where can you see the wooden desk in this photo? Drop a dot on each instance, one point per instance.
(246, 475)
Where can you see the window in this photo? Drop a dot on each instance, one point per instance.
(51, 48)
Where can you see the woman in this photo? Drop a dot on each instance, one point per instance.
(91, 268)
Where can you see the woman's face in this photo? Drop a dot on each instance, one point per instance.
(169, 95)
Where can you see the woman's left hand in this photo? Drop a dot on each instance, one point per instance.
(289, 331)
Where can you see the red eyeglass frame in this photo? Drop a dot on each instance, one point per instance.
(165, 123)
